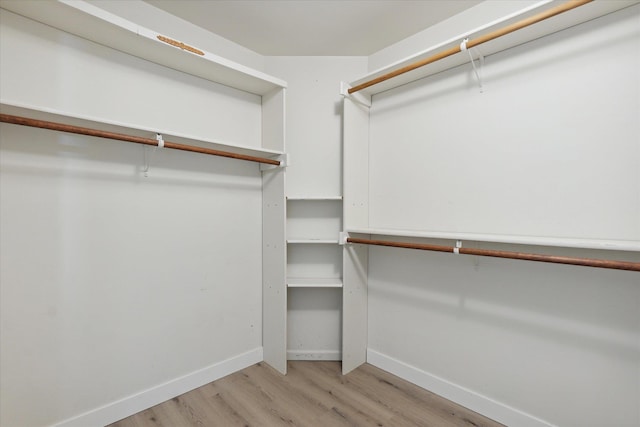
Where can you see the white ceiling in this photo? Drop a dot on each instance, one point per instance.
(314, 27)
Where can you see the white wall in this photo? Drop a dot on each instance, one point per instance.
(314, 324)
(559, 343)
(314, 119)
(114, 284)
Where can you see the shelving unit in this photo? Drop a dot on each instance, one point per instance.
(313, 250)
(358, 143)
(88, 21)
(48, 114)
(314, 268)
(580, 15)
(617, 245)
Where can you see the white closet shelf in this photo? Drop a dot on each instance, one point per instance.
(39, 113)
(314, 283)
(617, 245)
(313, 241)
(88, 21)
(565, 20)
(314, 198)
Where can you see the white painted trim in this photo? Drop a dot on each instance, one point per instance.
(314, 355)
(462, 396)
(135, 403)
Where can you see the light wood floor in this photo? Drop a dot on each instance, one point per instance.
(311, 394)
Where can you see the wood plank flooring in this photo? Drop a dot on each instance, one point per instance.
(311, 394)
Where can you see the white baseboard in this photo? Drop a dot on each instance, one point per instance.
(133, 404)
(314, 355)
(462, 396)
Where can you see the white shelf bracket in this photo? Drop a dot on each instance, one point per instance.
(284, 162)
(355, 97)
(343, 238)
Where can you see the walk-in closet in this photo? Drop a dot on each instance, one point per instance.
(319, 213)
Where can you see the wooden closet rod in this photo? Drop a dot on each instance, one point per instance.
(24, 121)
(587, 262)
(475, 42)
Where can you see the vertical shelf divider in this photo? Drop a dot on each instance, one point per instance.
(355, 257)
(274, 258)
